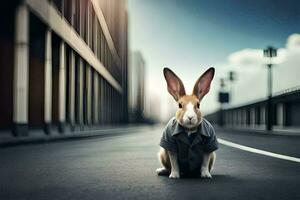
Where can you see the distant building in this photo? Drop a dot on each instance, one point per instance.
(63, 63)
(137, 87)
(153, 109)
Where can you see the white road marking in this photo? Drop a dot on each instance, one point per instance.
(258, 151)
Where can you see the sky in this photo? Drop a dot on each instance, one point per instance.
(189, 36)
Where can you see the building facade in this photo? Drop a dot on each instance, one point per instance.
(137, 87)
(63, 63)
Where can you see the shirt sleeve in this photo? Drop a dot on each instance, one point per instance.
(167, 141)
(212, 143)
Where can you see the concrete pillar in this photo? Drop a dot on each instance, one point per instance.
(239, 117)
(95, 34)
(96, 99)
(104, 102)
(263, 115)
(244, 117)
(72, 77)
(80, 103)
(115, 111)
(280, 114)
(81, 67)
(101, 100)
(107, 112)
(62, 88)
(89, 93)
(48, 82)
(110, 104)
(73, 4)
(252, 117)
(88, 24)
(71, 94)
(81, 19)
(21, 71)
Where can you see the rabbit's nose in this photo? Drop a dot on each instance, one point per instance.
(190, 118)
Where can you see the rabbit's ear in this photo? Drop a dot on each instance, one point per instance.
(175, 85)
(202, 85)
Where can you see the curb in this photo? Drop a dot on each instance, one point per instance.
(282, 133)
(75, 135)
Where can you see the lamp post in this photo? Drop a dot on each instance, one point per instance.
(223, 98)
(231, 78)
(269, 52)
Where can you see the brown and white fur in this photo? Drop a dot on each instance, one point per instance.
(189, 116)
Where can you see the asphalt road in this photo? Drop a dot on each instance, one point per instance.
(123, 167)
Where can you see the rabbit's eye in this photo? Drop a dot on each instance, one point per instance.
(198, 105)
(180, 105)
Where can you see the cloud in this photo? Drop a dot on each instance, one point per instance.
(246, 58)
(293, 42)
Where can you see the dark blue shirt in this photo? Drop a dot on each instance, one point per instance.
(189, 149)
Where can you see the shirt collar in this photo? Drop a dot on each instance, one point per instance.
(180, 129)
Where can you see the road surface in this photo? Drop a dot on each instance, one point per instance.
(123, 167)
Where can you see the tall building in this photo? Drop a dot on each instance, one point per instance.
(63, 63)
(137, 87)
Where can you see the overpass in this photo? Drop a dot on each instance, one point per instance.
(285, 113)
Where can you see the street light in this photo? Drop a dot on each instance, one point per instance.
(269, 52)
(231, 78)
(222, 83)
(223, 98)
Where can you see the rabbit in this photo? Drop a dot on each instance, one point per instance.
(188, 121)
